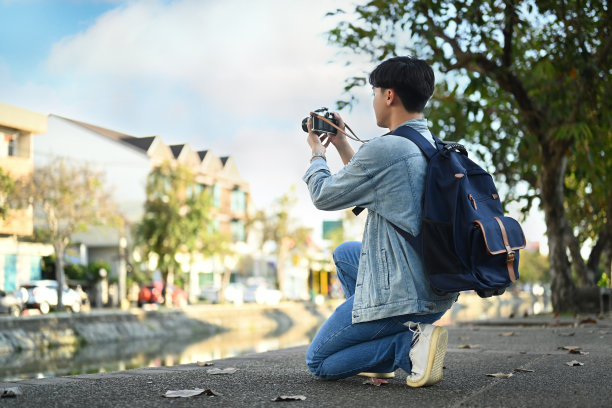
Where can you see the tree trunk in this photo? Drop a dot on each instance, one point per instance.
(554, 163)
(168, 285)
(59, 274)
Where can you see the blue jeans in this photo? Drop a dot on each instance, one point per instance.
(342, 349)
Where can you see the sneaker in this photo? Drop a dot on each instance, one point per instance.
(378, 375)
(427, 354)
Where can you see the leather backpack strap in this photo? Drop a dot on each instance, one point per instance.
(509, 251)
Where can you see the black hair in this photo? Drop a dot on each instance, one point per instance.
(411, 78)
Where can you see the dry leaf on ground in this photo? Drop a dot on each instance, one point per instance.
(500, 375)
(228, 370)
(523, 370)
(289, 398)
(469, 346)
(573, 350)
(190, 393)
(375, 381)
(588, 320)
(11, 392)
(204, 363)
(574, 363)
(183, 393)
(508, 334)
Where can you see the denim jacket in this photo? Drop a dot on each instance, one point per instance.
(386, 176)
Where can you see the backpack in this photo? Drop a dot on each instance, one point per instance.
(466, 241)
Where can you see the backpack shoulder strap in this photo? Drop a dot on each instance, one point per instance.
(418, 139)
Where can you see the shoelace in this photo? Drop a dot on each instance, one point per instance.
(416, 332)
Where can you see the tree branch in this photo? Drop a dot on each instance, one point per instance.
(508, 30)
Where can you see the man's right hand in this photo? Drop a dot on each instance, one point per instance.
(339, 141)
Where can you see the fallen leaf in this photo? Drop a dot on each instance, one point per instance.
(289, 398)
(569, 348)
(588, 320)
(204, 363)
(212, 393)
(584, 353)
(375, 381)
(500, 375)
(183, 393)
(523, 370)
(468, 346)
(229, 370)
(11, 392)
(574, 363)
(507, 334)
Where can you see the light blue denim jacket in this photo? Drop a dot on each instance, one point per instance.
(386, 176)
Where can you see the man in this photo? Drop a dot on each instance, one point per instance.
(387, 320)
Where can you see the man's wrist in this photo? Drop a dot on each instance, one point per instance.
(318, 155)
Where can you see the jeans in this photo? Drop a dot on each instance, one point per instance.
(341, 349)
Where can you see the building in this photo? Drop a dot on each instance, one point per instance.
(126, 161)
(19, 259)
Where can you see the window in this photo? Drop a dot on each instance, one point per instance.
(216, 199)
(237, 228)
(238, 203)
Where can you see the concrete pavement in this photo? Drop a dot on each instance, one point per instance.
(532, 345)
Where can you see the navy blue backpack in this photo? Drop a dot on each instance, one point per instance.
(466, 241)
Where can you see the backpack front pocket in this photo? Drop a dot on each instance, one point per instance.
(495, 257)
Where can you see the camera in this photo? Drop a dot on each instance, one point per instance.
(319, 125)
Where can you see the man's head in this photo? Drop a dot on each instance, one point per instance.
(412, 80)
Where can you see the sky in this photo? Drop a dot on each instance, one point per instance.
(233, 76)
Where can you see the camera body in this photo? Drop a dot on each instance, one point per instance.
(319, 125)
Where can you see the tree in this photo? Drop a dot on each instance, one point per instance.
(177, 219)
(69, 198)
(7, 187)
(529, 82)
(279, 227)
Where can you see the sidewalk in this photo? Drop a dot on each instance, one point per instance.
(474, 350)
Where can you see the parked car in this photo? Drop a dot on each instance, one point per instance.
(42, 295)
(262, 294)
(10, 304)
(153, 293)
(150, 294)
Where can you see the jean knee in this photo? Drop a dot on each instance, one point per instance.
(313, 361)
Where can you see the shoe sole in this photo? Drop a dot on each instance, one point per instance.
(435, 360)
(377, 375)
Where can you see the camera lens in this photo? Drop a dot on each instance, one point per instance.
(305, 124)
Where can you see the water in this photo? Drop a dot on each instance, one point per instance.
(99, 358)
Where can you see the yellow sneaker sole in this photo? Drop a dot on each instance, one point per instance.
(435, 360)
(377, 375)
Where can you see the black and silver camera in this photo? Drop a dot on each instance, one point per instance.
(319, 125)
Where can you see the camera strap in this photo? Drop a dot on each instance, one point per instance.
(332, 124)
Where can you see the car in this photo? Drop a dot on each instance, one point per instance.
(262, 294)
(10, 304)
(42, 295)
(150, 294)
(153, 294)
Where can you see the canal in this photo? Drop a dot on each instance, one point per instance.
(118, 356)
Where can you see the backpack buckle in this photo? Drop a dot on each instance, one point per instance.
(510, 257)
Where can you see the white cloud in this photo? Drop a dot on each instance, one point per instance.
(245, 56)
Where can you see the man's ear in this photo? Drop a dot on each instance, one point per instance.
(390, 96)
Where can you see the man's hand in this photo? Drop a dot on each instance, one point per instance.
(338, 139)
(314, 139)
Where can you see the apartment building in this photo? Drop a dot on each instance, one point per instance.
(126, 160)
(19, 258)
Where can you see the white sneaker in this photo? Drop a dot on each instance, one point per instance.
(426, 354)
